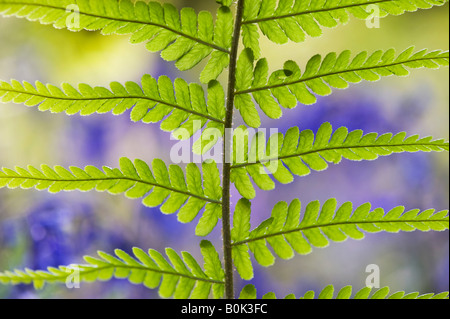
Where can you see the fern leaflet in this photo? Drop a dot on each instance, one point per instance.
(297, 153)
(180, 277)
(185, 37)
(162, 186)
(287, 231)
(177, 105)
(289, 86)
(249, 292)
(188, 38)
(284, 20)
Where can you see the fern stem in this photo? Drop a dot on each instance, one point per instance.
(227, 144)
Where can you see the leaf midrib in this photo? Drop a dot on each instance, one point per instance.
(331, 224)
(318, 76)
(95, 269)
(134, 97)
(288, 15)
(65, 180)
(214, 46)
(333, 149)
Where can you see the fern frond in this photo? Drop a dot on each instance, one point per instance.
(170, 188)
(176, 105)
(176, 276)
(225, 2)
(183, 36)
(249, 292)
(370, 293)
(284, 20)
(289, 86)
(288, 231)
(297, 153)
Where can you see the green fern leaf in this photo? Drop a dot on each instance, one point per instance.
(225, 2)
(284, 20)
(222, 37)
(369, 293)
(213, 267)
(176, 276)
(248, 292)
(184, 36)
(168, 187)
(214, 130)
(289, 86)
(289, 231)
(241, 231)
(365, 293)
(176, 105)
(297, 153)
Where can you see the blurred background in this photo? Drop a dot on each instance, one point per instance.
(39, 230)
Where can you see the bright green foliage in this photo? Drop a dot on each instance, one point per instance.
(289, 86)
(189, 38)
(225, 2)
(249, 292)
(176, 105)
(178, 276)
(298, 152)
(164, 186)
(240, 232)
(369, 293)
(288, 230)
(284, 20)
(185, 37)
(213, 267)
